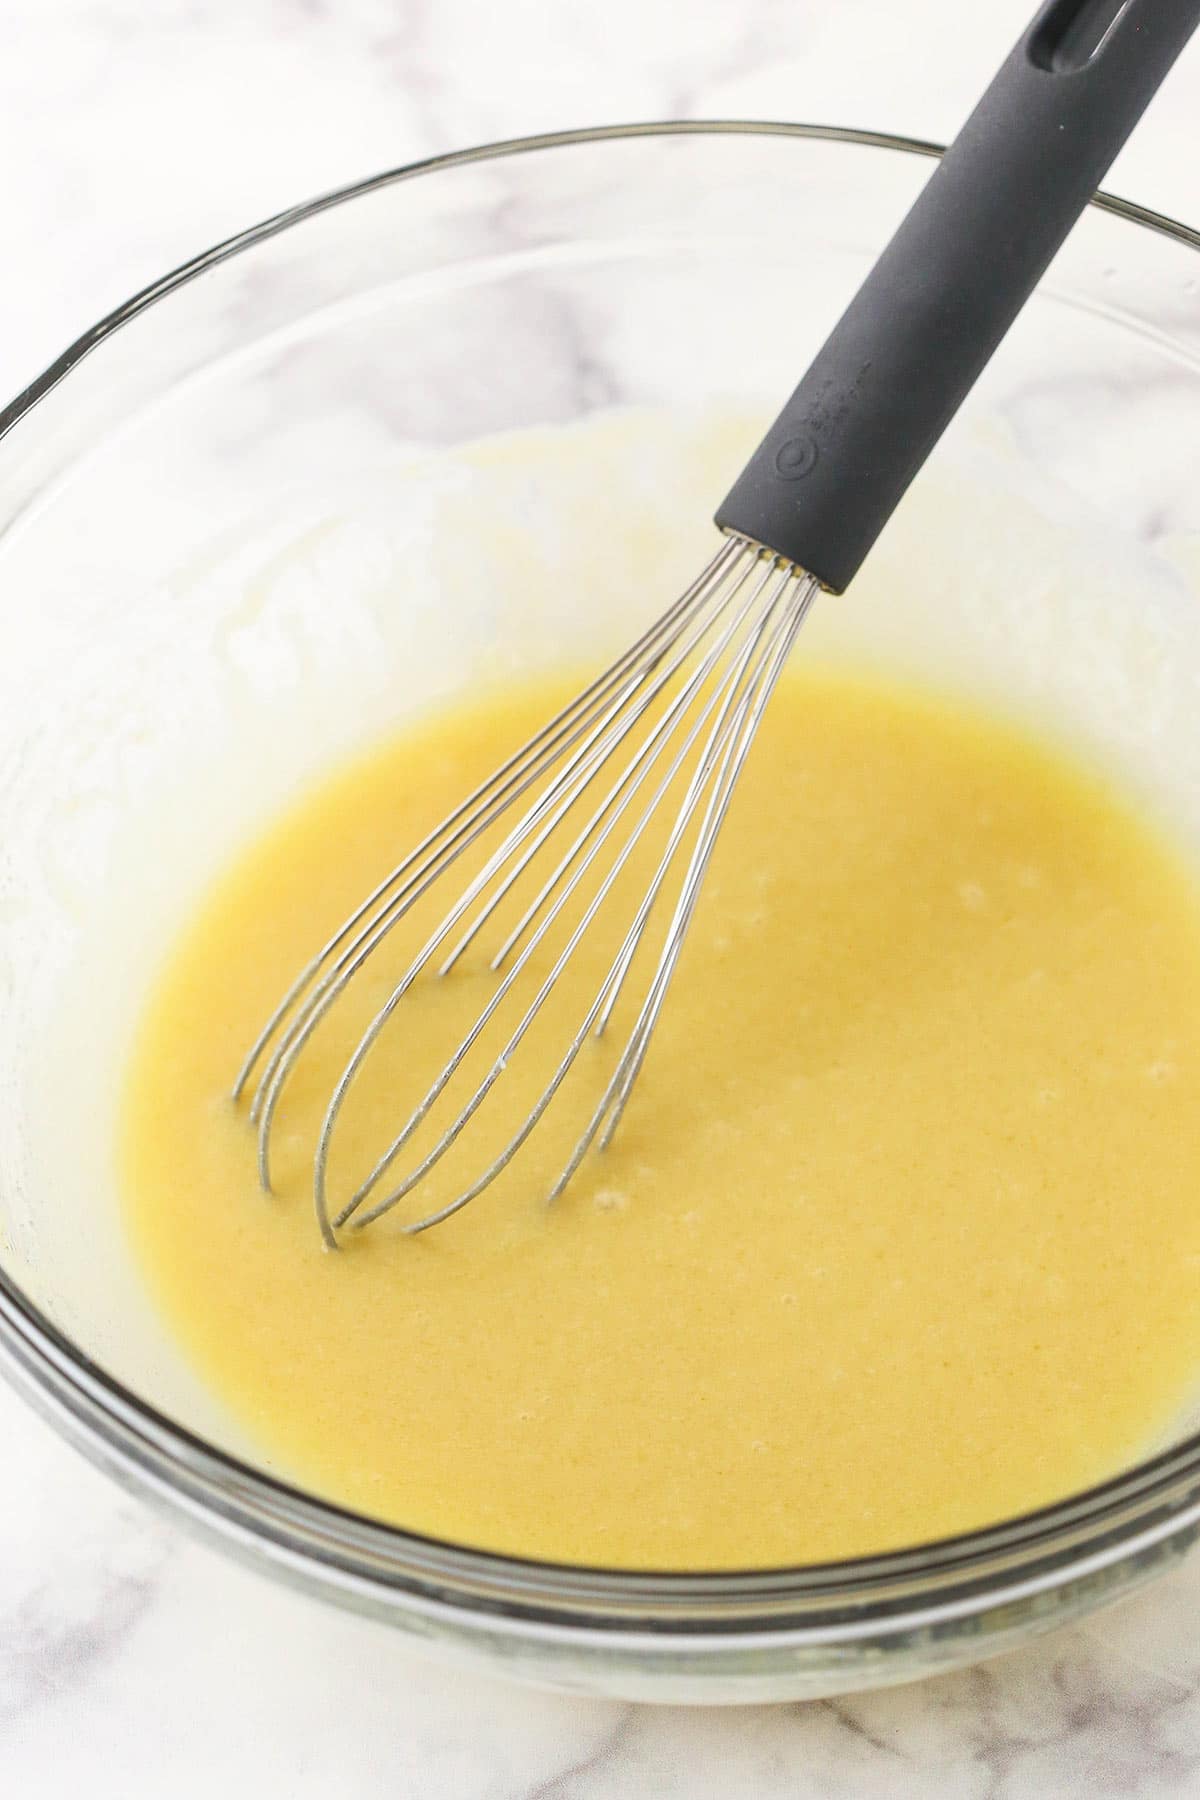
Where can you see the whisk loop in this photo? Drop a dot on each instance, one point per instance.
(696, 682)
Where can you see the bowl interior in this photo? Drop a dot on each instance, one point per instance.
(270, 518)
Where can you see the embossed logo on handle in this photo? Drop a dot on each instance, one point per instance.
(795, 458)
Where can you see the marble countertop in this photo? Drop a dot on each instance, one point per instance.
(132, 1661)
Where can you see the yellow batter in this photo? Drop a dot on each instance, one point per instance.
(901, 1233)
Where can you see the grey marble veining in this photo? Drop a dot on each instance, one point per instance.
(132, 1661)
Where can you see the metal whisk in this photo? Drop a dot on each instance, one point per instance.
(655, 745)
(697, 683)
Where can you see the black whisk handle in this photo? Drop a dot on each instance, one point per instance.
(894, 371)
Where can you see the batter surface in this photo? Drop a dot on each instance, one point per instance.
(901, 1232)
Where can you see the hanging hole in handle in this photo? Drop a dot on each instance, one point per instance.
(1073, 32)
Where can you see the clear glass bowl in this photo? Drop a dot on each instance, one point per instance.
(518, 285)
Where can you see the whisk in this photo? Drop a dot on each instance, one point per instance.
(647, 757)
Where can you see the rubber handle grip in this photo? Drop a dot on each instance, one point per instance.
(894, 371)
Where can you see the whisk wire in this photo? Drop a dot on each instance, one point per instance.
(413, 885)
(555, 801)
(732, 751)
(734, 762)
(733, 696)
(708, 664)
(631, 779)
(614, 805)
(564, 794)
(549, 741)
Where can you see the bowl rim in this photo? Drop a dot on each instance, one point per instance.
(1125, 1518)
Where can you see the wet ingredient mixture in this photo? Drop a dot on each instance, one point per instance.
(900, 1233)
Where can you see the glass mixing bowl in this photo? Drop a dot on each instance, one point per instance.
(148, 478)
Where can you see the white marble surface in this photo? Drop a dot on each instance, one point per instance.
(132, 1662)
